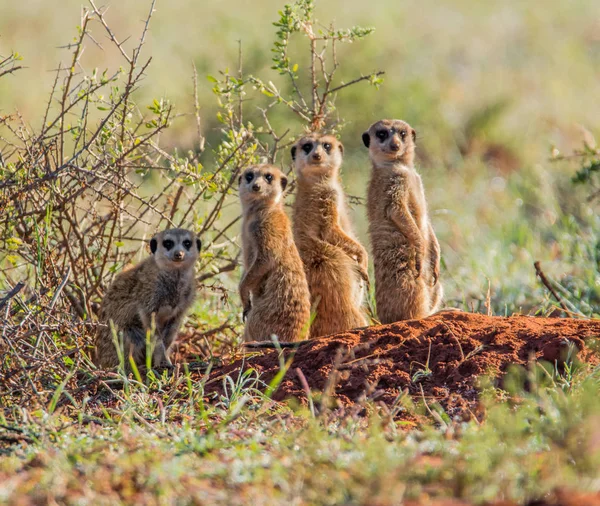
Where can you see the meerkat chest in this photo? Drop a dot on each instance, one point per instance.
(417, 203)
(248, 237)
(173, 288)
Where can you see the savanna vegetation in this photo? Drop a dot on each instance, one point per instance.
(143, 118)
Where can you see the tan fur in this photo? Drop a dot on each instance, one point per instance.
(161, 287)
(406, 253)
(334, 261)
(273, 288)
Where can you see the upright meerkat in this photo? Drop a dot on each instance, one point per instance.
(162, 287)
(273, 288)
(334, 261)
(406, 253)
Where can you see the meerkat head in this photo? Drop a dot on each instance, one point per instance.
(390, 141)
(175, 248)
(317, 156)
(262, 183)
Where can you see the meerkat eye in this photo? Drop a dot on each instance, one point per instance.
(382, 135)
(269, 178)
(249, 176)
(403, 134)
(168, 244)
(307, 148)
(187, 244)
(327, 147)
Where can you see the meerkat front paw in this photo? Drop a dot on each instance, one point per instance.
(160, 356)
(247, 309)
(163, 315)
(365, 276)
(418, 264)
(436, 274)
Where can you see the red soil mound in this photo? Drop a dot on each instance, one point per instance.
(381, 362)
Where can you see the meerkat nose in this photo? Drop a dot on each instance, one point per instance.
(178, 255)
(394, 146)
(255, 187)
(317, 157)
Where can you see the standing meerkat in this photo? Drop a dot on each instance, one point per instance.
(334, 261)
(406, 253)
(162, 287)
(273, 288)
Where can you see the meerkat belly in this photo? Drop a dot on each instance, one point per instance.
(391, 249)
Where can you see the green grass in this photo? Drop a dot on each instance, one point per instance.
(152, 449)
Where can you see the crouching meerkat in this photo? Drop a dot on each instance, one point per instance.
(406, 253)
(273, 288)
(160, 288)
(334, 261)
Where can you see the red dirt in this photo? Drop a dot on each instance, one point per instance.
(380, 362)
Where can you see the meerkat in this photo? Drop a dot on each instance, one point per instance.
(334, 261)
(273, 288)
(159, 290)
(406, 252)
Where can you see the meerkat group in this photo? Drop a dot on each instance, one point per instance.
(317, 265)
(406, 253)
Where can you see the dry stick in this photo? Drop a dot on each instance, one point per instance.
(11, 70)
(306, 389)
(546, 282)
(12, 293)
(109, 31)
(60, 288)
(201, 138)
(67, 85)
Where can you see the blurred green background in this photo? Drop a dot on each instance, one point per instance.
(491, 88)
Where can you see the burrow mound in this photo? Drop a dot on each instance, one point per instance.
(383, 361)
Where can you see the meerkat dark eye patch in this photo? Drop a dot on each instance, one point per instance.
(153, 246)
(293, 152)
(198, 244)
(307, 148)
(366, 139)
(168, 244)
(249, 176)
(327, 147)
(269, 178)
(403, 134)
(382, 135)
(187, 244)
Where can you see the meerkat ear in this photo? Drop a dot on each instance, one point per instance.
(341, 148)
(198, 243)
(284, 183)
(153, 245)
(294, 153)
(239, 180)
(366, 139)
(414, 134)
